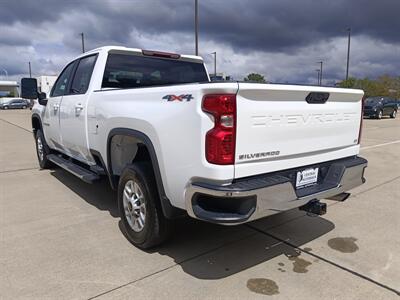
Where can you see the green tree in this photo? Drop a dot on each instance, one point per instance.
(254, 77)
(348, 83)
(383, 86)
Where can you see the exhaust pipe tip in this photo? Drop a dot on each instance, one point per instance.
(340, 197)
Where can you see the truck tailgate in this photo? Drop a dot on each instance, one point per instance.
(277, 128)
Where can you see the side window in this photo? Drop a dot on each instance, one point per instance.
(62, 82)
(83, 74)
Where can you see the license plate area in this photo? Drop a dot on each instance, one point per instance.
(306, 177)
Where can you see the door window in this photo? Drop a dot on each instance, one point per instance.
(62, 82)
(83, 74)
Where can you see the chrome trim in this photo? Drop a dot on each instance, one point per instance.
(280, 197)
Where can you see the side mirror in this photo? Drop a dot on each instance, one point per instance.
(29, 88)
(42, 98)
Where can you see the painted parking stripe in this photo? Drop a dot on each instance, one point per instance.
(380, 145)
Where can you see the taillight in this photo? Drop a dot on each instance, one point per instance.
(361, 120)
(221, 140)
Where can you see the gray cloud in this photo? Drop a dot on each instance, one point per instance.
(281, 39)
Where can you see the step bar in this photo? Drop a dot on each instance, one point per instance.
(80, 172)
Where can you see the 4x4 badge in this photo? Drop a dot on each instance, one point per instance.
(186, 97)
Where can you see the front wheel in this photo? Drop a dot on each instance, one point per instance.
(393, 114)
(5, 107)
(139, 206)
(380, 114)
(42, 150)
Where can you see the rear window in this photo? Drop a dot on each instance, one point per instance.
(132, 71)
(373, 100)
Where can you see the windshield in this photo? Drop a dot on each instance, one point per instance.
(133, 71)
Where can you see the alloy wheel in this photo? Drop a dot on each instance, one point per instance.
(40, 149)
(134, 205)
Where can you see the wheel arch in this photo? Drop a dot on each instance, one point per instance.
(142, 139)
(36, 123)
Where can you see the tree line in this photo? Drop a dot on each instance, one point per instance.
(384, 85)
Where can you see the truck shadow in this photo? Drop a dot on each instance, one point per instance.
(210, 252)
(98, 194)
(230, 250)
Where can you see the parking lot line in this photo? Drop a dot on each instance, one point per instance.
(5, 121)
(380, 145)
(18, 170)
(172, 266)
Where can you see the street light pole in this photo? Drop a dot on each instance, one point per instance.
(196, 25)
(320, 73)
(215, 63)
(83, 42)
(30, 70)
(348, 53)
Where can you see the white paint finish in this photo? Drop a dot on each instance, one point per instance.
(73, 128)
(50, 121)
(273, 118)
(176, 129)
(270, 118)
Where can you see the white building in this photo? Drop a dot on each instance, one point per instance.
(219, 77)
(8, 90)
(45, 83)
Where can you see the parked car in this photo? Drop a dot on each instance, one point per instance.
(173, 143)
(15, 103)
(377, 107)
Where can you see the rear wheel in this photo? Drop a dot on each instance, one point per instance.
(23, 107)
(380, 114)
(42, 150)
(139, 205)
(393, 114)
(5, 107)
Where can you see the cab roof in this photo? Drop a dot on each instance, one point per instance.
(139, 52)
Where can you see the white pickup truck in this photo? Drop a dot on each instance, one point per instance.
(174, 143)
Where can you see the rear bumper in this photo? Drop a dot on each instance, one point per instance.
(259, 196)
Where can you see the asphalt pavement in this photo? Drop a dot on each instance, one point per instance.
(60, 238)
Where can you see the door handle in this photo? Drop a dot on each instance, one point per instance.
(78, 107)
(56, 107)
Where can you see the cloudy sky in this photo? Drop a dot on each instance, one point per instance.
(281, 39)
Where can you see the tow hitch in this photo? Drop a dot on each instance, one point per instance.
(314, 207)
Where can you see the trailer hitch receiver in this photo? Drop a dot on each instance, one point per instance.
(314, 207)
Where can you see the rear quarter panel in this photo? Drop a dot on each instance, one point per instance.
(176, 129)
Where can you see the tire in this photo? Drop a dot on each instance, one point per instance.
(5, 107)
(393, 114)
(139, 205)
(42, 150)
(24, 107)
(380, 115)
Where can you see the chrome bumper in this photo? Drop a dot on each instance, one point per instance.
(266, 195)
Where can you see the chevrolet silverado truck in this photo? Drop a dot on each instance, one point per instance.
(172, 143)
